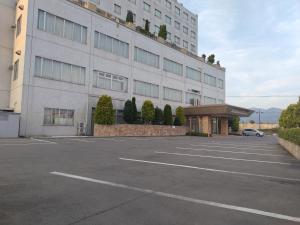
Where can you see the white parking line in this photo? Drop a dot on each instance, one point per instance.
(39, 140)
(233, 152)
(183, 198)
(82, 140)
(210, 170)
(216, 157)
(240, 148)
(240, 144)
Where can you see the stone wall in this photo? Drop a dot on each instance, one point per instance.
(265, 126)
(290, 147)
(128, 130)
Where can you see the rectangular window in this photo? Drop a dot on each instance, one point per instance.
(185, 44)
(193, 20)
(19, 26)
(177, 11)
(210, 80)
(109, 81)
(117, 9)
(147, 7)
(177, 25)
(173, 67)
(209, 100)
(58, 117)
(185, 30)
(156, 29)
(145, 57)
(157, 13)
(193, 48)
(16, 70)
(112, 45)
(177, 40)
(192, 99)
(60, 71)
(193, 35)
(146, 89)
(193, 74)
(220, 84)
(168, 4)
(61, 27)
(169, 36)
(185, 16)
(172, 94)
(168, 20)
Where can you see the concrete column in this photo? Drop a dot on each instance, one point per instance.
(224, 126)
(199, 123)
(206, 124)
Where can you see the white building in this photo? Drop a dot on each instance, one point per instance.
(59, 56)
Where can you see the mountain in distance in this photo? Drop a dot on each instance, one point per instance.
(270, 115)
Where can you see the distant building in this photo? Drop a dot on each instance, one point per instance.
(59, 56)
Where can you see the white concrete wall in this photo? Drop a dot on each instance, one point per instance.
(30, 94)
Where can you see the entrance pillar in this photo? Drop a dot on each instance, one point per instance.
(206, 125)
(224, 126)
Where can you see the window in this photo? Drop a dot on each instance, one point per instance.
(132, 1)
(193, 48)
(168, 4)
(111, 45)
(16, 70)
(58, 117)
(145, 57)
(185, 44)
(156, 29)
(193, 74)
(172, 94)
(173, 67)
(185, 16)
(109, 81)
(177, 11)
(157, 13)
(61, 27)
(147, 7)
(193, 20)
(55, 70)
(146, 89)
(193, 35)
(96, 1)
(19, 25)
(177, 25)
(210, 80)
(192, 99)
(209, 100)
(168, 20)
(117, 9)
(185, 30)
(220, 84)
(177, 40)
(169, 36)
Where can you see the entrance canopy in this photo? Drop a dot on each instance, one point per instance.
(218, 110)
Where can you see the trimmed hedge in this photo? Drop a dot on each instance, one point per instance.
(197, 134)
(292, 135)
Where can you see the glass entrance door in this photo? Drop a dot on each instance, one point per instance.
(216, 125)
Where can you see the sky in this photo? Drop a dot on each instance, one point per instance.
(258, 42)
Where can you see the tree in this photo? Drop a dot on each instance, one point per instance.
(147, 27)
(235, 126)
(129, 17)
(148, 111)
(158, 116)
(168, 117)
(177, 122)
(163, 32)
(134, 111)
(128, 112)
(290, 117)
(211, 59)
(180, 116)
(204, 57)
(104, 114)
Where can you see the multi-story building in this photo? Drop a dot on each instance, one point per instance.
(60, 56)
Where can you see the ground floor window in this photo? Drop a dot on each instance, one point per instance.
(59, 117)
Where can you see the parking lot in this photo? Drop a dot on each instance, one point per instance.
(137, 181)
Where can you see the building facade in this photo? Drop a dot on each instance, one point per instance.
(63, 55)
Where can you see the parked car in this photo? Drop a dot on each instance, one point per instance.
(253, 132)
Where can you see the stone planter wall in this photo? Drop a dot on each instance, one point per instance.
(128, 130)
(290, 147)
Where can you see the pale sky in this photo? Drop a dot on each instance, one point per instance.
(258, 42)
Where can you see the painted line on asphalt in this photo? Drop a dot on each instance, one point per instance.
(183, 198)
(209, 169)
(44, 141)
(240, 148)
(240, 144)
(224, 158)
(82, 140)
(233, 152)
(25, 144)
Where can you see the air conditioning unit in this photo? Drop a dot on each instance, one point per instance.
(90, 6)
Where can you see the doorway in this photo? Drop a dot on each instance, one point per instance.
(216, 125)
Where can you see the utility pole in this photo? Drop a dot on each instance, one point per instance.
(259, 113)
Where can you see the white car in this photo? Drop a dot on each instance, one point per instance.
(253, 132)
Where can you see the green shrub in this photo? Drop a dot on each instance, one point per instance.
(211, 59)
(292, 135)
(129, 17)
(163, 32)
(128, 112)
(158, 117)
(193, 133)
(290, 117)
(177, 122)
(134, 111)
(168, 117)
(104, 114)
(235, 126)
(147, 27)
(148, 111)
(180, 116)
